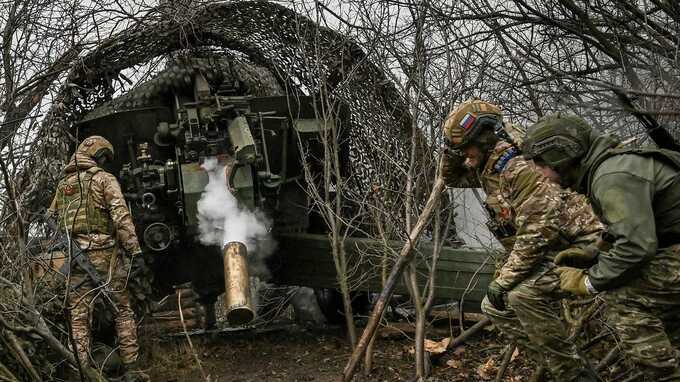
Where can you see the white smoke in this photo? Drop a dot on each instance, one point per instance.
(222, 220)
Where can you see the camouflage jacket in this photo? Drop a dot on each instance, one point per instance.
(544, 217)
(107, 197)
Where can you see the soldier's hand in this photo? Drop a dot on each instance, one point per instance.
(496, 295)
(453, 170)
(577, 257)
(573, 280)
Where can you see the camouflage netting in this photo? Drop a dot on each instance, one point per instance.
(219, 67)
(269, 48)
(304, 58)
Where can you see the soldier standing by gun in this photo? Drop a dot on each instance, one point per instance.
(92, 211)
(534, 219)
(637, 194)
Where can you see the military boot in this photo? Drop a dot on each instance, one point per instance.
(133, 373)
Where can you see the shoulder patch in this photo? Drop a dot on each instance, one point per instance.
(503, 160)
(69, 189)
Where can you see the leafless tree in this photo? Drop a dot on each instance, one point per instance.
(40, 41)
(532, 57)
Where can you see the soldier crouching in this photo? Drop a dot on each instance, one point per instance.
(534, 219)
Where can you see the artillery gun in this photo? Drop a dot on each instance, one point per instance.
(195, 109)
(250, 98)
(166, 128)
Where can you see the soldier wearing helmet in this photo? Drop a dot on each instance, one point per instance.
(534, 219)
(637, 194)
(90, 207)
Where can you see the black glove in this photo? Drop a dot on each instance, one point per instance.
(496, 295)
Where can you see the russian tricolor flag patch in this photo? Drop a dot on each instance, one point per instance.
(468, 121)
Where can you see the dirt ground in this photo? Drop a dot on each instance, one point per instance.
(291, 352)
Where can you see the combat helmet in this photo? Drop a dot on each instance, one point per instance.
(96, 147)
(468, 119)
(557, 140)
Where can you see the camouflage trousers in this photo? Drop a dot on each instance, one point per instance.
(646, 316)
(109, 264)
(533, 319)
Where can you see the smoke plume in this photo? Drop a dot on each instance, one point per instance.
(221, 220)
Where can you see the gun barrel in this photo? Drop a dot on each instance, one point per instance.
(239, 305)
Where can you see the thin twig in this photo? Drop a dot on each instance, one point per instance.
(186, 334)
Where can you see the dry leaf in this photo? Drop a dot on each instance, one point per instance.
(433, 347)
(488, 370)
(437, 347)
(515, 354)
(454, 363)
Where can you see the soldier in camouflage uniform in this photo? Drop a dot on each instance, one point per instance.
(533, 218)
(636, 192)
(90, 206)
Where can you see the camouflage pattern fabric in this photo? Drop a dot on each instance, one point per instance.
(501, 224)
(111, 265)
(533, 320)
(546, 219)
(638, 195)
(645, 315)
(100, 191)
(106, 195)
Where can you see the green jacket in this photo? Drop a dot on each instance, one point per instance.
(637, 195)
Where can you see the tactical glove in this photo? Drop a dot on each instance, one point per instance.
(496, 295)
(573, 280)
(577, 257)
(453, 170)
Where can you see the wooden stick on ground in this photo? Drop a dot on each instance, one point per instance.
(507, 357)
(405, 257)
(465, 335)
(608, 359)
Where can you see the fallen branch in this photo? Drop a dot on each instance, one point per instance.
(608, 359)
(635, 377)
(39, 326)
(507, 357)
(19, 354)
(405, 257)
(465, 335)
(6, 375)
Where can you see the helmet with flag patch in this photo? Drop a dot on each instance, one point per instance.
(468, 119)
